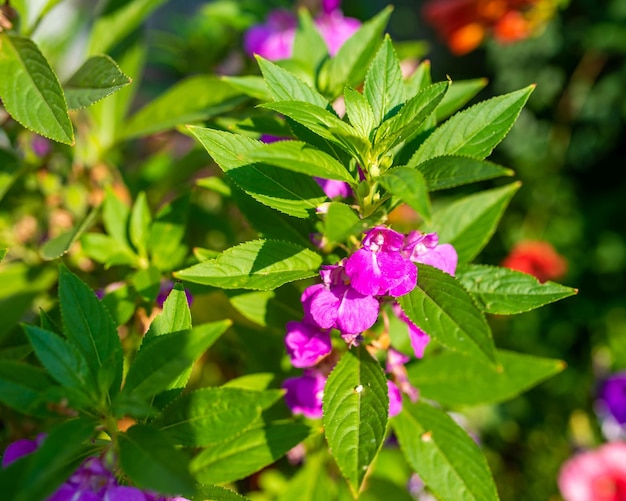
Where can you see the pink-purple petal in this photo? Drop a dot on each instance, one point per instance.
(356, 312)
(306, 344)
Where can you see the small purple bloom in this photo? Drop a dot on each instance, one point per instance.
(612, 396)
(124, 493)
(164, 291)
(306, 344)
(379, 268)
(41, 145)
(419, 339)
(424, 248)
(274, 39)
(335, 28)
(395, 366)
(304, 394)
(333, 188)
(395, 399)
(336, 305)
(18, 449)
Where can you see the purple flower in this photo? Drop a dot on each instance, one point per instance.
(395, 398)
(612, 397)
(379, 268)
(274, 39)
(336, 305)
(419, 339)
(424, 248)
(164, 291)
(304, 393)
(306, 344)
(21, 448)
(334, 188)
(41, 145)
(335, 28)
(395, 366)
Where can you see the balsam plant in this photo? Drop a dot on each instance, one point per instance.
(385, 296)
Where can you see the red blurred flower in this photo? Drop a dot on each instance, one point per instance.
(464, 24)
(598, 475)
(538, 259)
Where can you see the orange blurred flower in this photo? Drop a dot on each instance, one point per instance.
(536, 258)
(464, 24)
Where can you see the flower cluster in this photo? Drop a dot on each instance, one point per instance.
(464, 24)
(92, 481)
(349, 300)
(274, 39)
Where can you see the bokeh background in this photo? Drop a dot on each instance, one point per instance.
(568, 149)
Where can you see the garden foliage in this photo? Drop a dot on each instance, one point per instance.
(383, 292)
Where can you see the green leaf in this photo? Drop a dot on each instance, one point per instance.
(58, 246)
(420, 79)
(384, 88)
(55, 460)
(300, 157)
(147, 283)
(285, 86)
(61, 359)
(350, 64)
(443, 454)
(175, 316)
(258, 381)
(474, 132)
(10, 171)
(356, 409)
(469, 223)
(162, 361)
(21, 284)
(251, 85)
(109, 117)
(151, 460)
(3, 252)
(455, 380)
(120, 303)
(340, 222)
(33, 94)
(311, 482)
(23, 388)
(165, 242)
(449, 171)
(409, 185)
(139, 224)
(443, 309)
(259, 265)
(460, 92)
(324, 124)
(502, 291)
(115, 216)
(89, 326)
(410, 118)
(359, 112)
(115, 24)
(213, 415)
(289, 192)
(192, 100)
(104, 249)
(96, 79)
(309, 48)
(249, 452)
(217, 493)
(271, 224)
